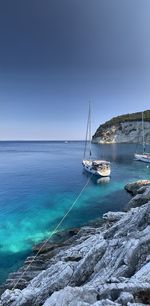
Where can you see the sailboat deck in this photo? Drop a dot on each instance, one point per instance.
(100, 162)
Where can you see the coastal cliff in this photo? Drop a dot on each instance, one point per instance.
(124, 129)
(106, 264)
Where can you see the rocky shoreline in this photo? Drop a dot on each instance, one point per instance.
(106, 263)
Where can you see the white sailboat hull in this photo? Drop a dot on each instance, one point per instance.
(142, 157)
(105, 171)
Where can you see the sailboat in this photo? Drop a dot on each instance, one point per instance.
(144, 157)
(99, 168)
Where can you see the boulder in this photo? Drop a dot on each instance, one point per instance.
(135, 186)
(113, 216)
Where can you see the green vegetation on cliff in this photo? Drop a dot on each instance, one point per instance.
(123, 118)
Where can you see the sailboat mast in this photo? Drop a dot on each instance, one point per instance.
(86, 137)
(143, 133)
(90, 131)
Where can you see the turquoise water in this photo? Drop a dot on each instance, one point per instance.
(39, 182)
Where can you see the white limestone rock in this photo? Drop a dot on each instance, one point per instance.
(125, 297)
(137, 187)
(106, 302)
(140, 198)
(72, 297)
(113, 216)
(123, 132)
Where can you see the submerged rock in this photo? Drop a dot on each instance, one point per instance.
(106, 265)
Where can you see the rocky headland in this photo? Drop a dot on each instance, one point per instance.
(124, 129)
(107, 263)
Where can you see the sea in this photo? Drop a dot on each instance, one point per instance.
(39, 181)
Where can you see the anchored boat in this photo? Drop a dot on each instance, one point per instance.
(96, 167)
(145, 157)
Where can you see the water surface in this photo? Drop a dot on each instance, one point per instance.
(39, 182)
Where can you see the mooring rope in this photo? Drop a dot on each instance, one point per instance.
(52, 233)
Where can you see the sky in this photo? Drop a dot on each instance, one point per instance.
(56, 55)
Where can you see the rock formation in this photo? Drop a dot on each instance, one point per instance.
(100, 265)
(124, 129)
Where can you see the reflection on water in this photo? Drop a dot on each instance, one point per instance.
(103, 180)
(96, 179)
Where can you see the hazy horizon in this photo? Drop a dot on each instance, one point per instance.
(47, 140)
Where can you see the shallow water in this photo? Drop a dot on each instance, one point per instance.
(39, 182)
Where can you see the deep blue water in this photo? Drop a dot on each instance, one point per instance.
(40, 180)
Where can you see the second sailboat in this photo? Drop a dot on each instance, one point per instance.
(145, 156)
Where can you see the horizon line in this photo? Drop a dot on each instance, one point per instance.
(46, 140)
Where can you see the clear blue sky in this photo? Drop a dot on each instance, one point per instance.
(55, 55)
